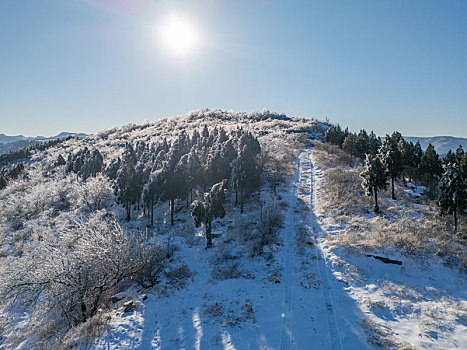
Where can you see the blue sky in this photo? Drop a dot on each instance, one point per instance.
(87, 65)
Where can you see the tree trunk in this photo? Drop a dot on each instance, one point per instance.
(241, 200)
(393, 196)
(171, 202)
(128, 217)
(376, 209)
(152, 213)
(83, 312)
(208, 234)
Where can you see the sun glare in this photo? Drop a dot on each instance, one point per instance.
(178, 35)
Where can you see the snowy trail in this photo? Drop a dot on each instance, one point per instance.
(333, 328)
(317, 307)
(286, 340)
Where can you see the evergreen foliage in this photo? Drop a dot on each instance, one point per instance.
(211, 207)
(374, 176)
(392, 159)
(430, 165)
(453, 185)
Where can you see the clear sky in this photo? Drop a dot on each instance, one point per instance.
(87, 65)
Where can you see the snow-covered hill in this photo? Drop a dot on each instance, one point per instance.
(291, 269)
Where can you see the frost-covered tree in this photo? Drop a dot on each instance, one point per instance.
(453, 186)
(127, 180)
(247, 169)
(374, 143)
(391, 158)
(154, 190)
(211, 207)
(374, 176)
(95, 194)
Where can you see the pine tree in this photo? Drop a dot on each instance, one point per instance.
(182, 177)
(60, 160)
(406, 151)
(92, 164)
(392, 159)
(154, 190)
(211, 207)
(374, 143)
(417, 155)
(374, 177)
(453, 186)
(362, 144)
(335, 135)
(430, 167)
(350, 146)
(247, 167)
(127, 180)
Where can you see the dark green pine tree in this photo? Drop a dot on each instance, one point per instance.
(374, 143)
(60, 160)
(3, 181)
(363, 144)
(416, 159)
(335, 135)
(350, 146)
(392, 158)
(407, 156)
(430, 167)
(453, 186)
(374, 176)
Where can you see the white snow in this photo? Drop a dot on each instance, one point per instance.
(323, 298)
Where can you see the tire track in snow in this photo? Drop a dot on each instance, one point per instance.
(335, 341)
(286, 339)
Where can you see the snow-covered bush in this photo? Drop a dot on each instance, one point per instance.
(95, 193)
(270, 221)
(70, 276)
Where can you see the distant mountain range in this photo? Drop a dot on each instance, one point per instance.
(442, 144)
(7, 139)
(11, 143)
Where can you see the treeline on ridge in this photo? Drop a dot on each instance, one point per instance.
(394, 158)
(148, 173)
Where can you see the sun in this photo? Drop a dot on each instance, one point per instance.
(178, 35)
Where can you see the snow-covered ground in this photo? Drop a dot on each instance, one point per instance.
(419, 304)
(302, 294)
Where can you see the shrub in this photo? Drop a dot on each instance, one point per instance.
(71, 275)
